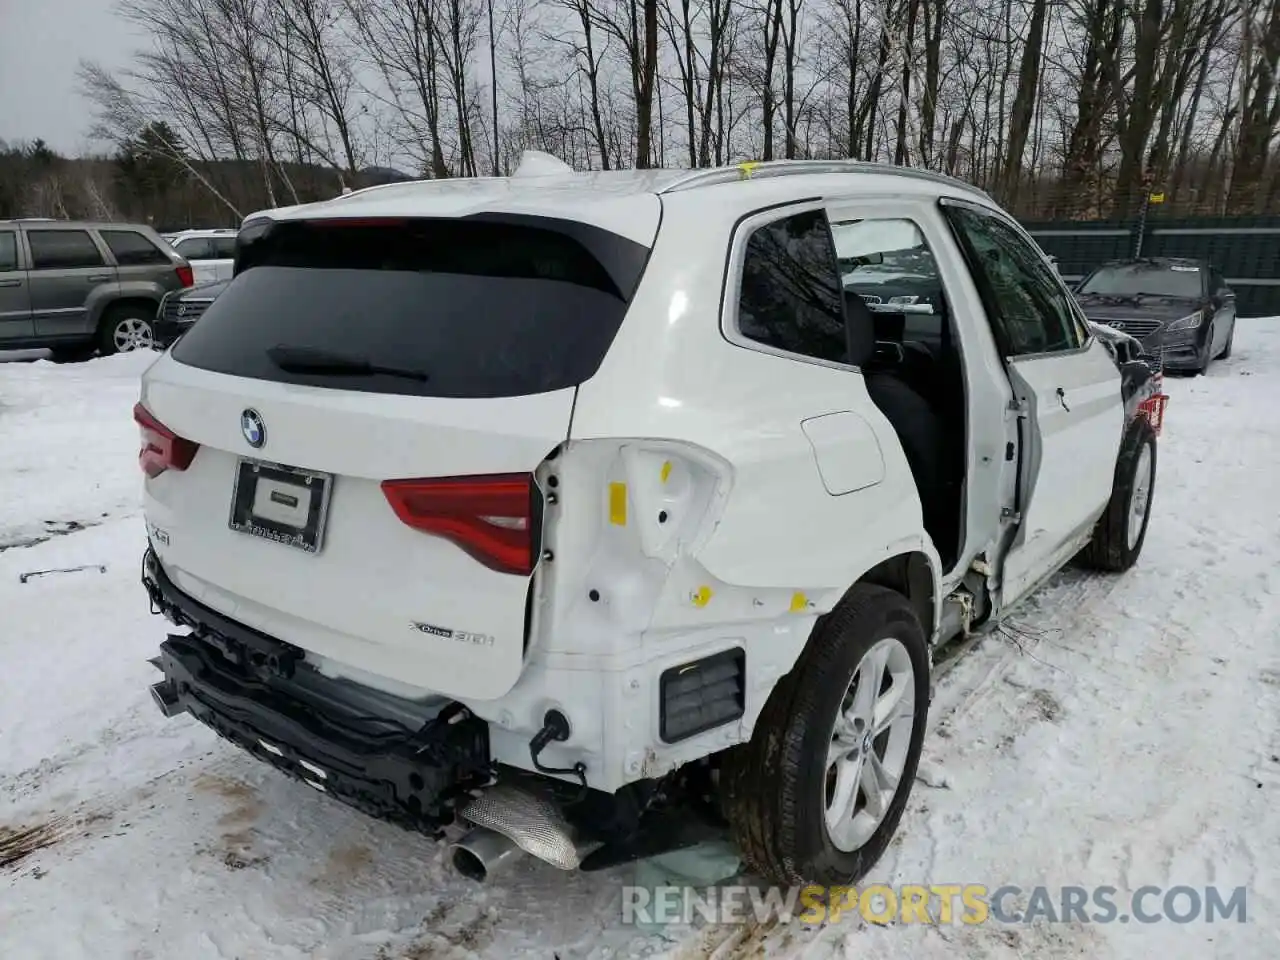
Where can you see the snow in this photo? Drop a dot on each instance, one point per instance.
(1122, 731)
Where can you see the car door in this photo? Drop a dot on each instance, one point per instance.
(198, 251)
(66, 265)
(15, 295)
(1066, 387)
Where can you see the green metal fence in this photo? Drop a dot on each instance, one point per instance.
(1245, 249)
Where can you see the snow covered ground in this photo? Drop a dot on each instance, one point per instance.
(1127, 733)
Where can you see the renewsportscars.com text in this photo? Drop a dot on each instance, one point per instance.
(935, 904)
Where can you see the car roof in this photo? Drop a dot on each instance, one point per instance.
(1160, 262)
(45, 223)
(203, 232)
(625, 202)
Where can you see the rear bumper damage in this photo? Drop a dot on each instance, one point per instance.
(242, 685)
(262, 696)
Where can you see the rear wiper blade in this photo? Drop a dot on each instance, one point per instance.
(325, 362)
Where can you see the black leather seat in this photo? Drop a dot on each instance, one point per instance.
(918, 428)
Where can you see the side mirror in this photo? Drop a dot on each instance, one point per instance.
(1227, 294)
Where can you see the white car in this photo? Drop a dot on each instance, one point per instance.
(211, 253)
(584, 509)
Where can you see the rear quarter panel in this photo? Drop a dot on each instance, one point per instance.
(672, 374)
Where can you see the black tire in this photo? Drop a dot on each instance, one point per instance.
(1110, 549)
(112, 322)
(76, 354)
(1208, 355)
(775, 785)
(1226, 350)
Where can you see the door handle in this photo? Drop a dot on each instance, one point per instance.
(1062, 399)
(98, 278)
(10, 283)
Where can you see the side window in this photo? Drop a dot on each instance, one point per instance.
(62, 249)
(195, 248)
(888, 263)
(132, 249)
(1029, 308)
(8, 251)
(224, 248)
(790, 296)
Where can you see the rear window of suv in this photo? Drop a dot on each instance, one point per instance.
(495, 306)
(132, 249)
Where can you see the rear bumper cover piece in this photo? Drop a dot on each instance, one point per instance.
(236, 681)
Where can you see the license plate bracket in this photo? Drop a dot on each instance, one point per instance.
(284, 504)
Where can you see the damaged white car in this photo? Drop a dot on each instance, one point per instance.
(599, 514)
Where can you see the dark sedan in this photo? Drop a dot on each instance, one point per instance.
(1181, 311)
(182, 308)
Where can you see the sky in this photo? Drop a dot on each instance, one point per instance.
(41, 44)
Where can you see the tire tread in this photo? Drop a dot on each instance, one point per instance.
(1108, 550)
(763, 805)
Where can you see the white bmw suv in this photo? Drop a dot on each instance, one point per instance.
(599, 514)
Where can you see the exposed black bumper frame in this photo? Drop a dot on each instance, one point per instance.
(236, 681)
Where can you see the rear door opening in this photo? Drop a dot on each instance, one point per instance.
(367, 403)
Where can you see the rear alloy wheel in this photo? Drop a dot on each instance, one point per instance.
(1122, 528)
(817, 794)
(124, 330)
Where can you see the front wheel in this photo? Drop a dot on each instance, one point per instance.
(817, 794)
(1203, 368)
(1226, 351)
(1122, 528)
(125, 329)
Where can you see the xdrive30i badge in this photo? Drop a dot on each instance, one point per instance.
(478, 639)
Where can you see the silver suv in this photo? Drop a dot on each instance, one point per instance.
(78, 288)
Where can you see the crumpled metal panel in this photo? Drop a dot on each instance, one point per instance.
(531, 822)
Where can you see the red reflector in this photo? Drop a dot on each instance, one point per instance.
(186, 276)
(162, 449)
(490, 517)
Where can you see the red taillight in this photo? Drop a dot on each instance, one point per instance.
(186, 276)
(162, 449)
(490, 517)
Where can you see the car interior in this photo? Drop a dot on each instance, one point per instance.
(902, 336)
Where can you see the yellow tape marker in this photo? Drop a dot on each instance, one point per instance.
(799, 602)
(702, 596)
(748, 168)
(618, 504)
(666, 470)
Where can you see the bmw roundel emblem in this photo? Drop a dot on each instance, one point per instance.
(254, 430)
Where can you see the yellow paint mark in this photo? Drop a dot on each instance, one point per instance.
(666, 471)
(618, 504)
(702, 596)
(748, 168)
(799, 602)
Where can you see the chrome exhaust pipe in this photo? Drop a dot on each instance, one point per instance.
(483, 852)
(165, 695)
